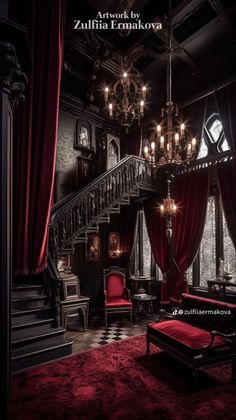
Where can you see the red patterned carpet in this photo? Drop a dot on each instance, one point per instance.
(118, 381)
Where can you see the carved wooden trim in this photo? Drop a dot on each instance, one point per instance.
(93, 204)
(12, 80)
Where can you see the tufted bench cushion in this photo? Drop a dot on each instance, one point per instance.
(185, 337)
(202, 333)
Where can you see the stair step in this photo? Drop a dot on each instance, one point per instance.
(114, 210)
(80, 240)
(19, 312)
(30, 322)
(125, 202)
(92, 229)
(134, 193)
(27, 290)
(20, 337)
(41, 354)
(31, 297)
(54, 339)
(104, 219)
(30, 302)
(25, 283)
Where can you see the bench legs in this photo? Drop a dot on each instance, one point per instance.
(233, 371)
(195, 378)
(148, 346)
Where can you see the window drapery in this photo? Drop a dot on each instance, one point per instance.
(226, 102)
(157, 235)
(226, 175)
(191, 196)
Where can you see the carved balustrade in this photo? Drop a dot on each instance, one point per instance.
(88, 207)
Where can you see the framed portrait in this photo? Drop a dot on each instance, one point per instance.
(64, 264)
(93, 247)
(83, 135)
(114, 245)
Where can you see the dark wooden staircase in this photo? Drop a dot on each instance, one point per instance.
(83, 211)
(36, 336)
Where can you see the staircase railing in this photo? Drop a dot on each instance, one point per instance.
(84, 210)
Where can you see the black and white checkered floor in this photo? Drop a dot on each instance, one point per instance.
(97, 334)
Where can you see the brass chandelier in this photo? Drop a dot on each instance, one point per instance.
(171, 144)
(125, 100)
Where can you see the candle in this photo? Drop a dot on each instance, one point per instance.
(189, 149)
(182, 128)
(153, 146)
(162, 140)
(176, 139)
(125, 74)
(167, 147)
(106, 93)
(141, 106)
(158, 130)
(194, 143)
(144, 92)
(110, 110)
(145, 151)
(162, 208)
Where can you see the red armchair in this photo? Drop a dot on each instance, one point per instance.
(117, 297)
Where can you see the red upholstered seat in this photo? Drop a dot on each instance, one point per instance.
(117, 297)
(185, 336)
(114, 301)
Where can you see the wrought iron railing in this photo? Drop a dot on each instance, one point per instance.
(85, 210)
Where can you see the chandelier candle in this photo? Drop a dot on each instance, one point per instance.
(125, 100)
(173, 145)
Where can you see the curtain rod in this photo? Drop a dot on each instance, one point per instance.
(208, 92)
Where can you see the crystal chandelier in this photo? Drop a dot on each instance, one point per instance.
(171, 143)
(125, 100)
(168, 209)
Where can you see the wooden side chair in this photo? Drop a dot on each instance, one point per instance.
(117, 296)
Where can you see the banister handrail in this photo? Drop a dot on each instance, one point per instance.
(70, 197)
(85, 209)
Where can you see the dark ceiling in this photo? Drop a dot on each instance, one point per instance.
(204, 33)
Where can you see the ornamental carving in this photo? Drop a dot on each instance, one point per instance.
(12, 80)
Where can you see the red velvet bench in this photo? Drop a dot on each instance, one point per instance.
(201, 334)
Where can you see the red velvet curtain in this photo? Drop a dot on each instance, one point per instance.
(130, 142)
(128, 217)
(226, 102)
(156, 228)
(36, 132)
(194, 117)
(191, 197)
(226, 178)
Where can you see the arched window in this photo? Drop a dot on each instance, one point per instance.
(214, 140)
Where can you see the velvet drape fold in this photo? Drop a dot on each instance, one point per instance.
(191, 197)
(156, 228)
(36, 132)
(131, 142)
(226, 177)
(226, 102)
(128, 217)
